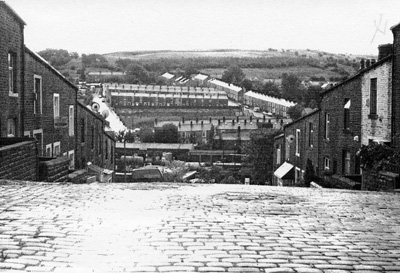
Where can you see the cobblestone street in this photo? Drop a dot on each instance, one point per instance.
(196, 228)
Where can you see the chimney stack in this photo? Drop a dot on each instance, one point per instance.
(362, 64)
(183, 120)
(367, 63)
(384, 50)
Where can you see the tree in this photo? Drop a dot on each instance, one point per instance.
(233, 74)
(271, 89)
(146, 135)
(291, 87)
(247, 84)
(259, 155)
(168, 133)
(136, 73)
(296, 111)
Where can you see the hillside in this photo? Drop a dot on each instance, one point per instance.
(257, 64)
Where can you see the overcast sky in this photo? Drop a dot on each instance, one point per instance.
(104, 26)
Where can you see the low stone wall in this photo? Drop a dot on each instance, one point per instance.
(53, 169)
(340, 182)
(381, 181)
(18, 159)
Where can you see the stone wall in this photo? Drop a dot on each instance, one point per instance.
(53, 169)
(379, 126)
(18, 159)
(340, 139)
(381, 181)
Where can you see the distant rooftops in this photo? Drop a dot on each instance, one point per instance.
(225, 85)
(282, 102)
(167, 75)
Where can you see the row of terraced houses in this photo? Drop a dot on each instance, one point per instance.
(362, 109)
(45, 133)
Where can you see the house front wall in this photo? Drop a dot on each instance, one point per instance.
(40, 113)
(90, 138)
(377, 127)
(11, 42)
(339, 145)
(301, 144)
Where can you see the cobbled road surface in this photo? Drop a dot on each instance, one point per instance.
(196, 228)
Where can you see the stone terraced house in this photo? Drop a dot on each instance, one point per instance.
(355, 112)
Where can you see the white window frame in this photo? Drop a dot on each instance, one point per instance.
(297, 142)
(11, 127)
(36, 92)
(49, 146)
(12, 74)
(56, 107)
(55, 146)
(39, 132)
(297, 174)
(327, 125)
(71, 120)
(278, 154)
(327, 163)
(27, 134)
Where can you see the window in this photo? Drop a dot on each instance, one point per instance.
(310, 134)
(11, 127)
(327, 123)
(346, 115)
(71, 155)
(278, 154)
(204, 134)
(183, 134)
(297, 177)
(346, 162)
(49, 150)
(37, 93)
(327, 163)
(82, 130)
(71, 119)
(57, 149)
(12, 73)
(56, 104)
(373, 98)
(92, 131)
(297, 142)
(106, 149)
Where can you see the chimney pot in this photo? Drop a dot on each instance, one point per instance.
(362, 64)
(367, 63)
(373, 61)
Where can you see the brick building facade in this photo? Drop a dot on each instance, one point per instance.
(295, 147)
(11, 72)
(50, 111)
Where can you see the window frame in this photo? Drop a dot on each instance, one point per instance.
(56, 107)
(297, 142)
(11, 127)
(12, 74)
(56, 145)
(327, 163)
(373, 97)
(38, 95)
(346, 114)
(310, 134)
(327, 125)
(71, 120)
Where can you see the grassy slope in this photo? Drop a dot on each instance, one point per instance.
(302, 72)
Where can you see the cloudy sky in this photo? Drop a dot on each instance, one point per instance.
(104, 26)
